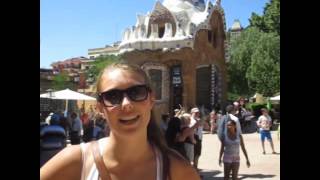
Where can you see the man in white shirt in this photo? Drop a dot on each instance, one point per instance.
(195, 116)
(265, 122)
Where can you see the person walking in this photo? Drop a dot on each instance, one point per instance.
(264, 123)
(76, 129)
(230, 149)
(187, 136)
(195, 117)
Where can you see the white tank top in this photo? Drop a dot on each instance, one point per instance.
(94, 173)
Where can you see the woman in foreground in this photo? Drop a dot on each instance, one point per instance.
(135, 149)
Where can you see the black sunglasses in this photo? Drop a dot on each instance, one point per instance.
(115, 97)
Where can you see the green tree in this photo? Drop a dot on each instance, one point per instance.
(255, 56)
(255, 63)
(100, 63)
(270, 20)
(264, 72)
(241, 51)
(60, 81)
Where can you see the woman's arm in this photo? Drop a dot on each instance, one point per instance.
(66, 165)
(221, 153)
(193, 140)
(244, 150)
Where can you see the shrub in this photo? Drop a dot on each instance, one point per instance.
(256, 107)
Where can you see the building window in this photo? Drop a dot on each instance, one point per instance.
(156, 80)
(161, 31)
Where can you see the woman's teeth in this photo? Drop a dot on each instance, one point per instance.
(129, 120)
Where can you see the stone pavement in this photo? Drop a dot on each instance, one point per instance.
(265, 167)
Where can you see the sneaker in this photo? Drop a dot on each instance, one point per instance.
(263, 152)
(274, 152)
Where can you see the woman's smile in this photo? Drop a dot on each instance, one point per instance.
(129, 120)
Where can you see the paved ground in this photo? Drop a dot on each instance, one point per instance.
(265, 167)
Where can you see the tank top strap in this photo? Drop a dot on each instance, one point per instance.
(83, 148)
(159, 163)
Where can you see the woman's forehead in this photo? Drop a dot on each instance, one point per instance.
(118, 77)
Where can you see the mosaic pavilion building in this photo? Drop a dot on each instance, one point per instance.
(181, 45)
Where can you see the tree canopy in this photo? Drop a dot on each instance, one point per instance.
(61, 81)
(255, 55)
(100, 63)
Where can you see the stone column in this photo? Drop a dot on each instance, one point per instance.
(213, 84)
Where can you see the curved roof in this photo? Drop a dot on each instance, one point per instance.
(160, 13)
(185, 4)
(182, 19)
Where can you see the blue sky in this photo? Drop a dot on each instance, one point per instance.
(68, 28)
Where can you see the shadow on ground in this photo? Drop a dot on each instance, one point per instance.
(211, 175)
(257, 176)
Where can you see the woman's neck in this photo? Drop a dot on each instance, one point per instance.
(127, 150)
(231, 134)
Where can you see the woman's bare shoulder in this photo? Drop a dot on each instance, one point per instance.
(63, 165)
(181, 169)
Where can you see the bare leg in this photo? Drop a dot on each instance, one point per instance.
(264, 151)
(195, 162)
(235, 169)
(272, 147)
(227, 170)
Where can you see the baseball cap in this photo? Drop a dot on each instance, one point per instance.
(194, 110)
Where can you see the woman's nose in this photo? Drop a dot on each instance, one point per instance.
(126, 103)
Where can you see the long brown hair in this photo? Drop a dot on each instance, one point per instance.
(154, 134)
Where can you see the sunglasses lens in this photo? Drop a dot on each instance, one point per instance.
(138, 93)
(115, 97)
(112, 98)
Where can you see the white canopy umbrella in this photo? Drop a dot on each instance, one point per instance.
(276, 98)
(67, 94)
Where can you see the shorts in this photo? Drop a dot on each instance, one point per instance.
(189, 151)
(197, 147)
(231, 159)
(265, 134)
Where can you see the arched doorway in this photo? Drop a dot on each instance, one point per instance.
(203, 86)
(208, 86)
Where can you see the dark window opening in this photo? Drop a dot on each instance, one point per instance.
(161, 31)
